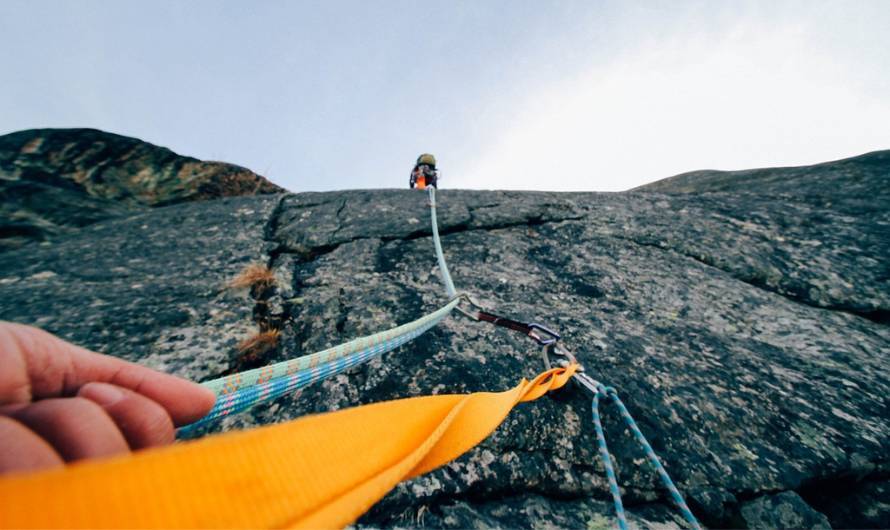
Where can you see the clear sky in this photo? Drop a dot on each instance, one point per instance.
(560, 95)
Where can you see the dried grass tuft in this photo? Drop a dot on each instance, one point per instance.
(261, 343)
(254, 351)
(255, 275)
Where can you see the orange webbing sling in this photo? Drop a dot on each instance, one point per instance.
(316, 472)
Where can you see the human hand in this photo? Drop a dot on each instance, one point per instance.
(60, 402)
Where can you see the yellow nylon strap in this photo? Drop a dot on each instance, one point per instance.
(321, 471)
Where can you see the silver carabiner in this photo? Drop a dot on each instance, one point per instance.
(588, 383)
(542, 335)
(466, 298)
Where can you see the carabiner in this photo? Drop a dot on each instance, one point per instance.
(466, 298)
(588, 383)
(537, 332)
(551, 337)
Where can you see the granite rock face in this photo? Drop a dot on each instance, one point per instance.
(149, 288)
(785, 510)
(53, 181)
(858, 178)
(746, 333)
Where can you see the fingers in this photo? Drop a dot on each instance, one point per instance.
(76, 427)
(183, 400)
(23, 450)
(119, 405)
(103, 420)
(15, 386)
(39, 365)
(35, 363)
(143, 422)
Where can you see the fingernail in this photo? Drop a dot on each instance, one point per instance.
(103, 394)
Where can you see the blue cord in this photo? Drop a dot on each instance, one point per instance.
(606, 392)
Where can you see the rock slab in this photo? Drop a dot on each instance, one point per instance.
(745, 332)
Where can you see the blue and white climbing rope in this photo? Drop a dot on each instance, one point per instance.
(234, 395)
(243, 390)
(609, 392)
(607, 463)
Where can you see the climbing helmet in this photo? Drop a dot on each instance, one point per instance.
(427, 159)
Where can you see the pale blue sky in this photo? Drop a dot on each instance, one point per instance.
(586, 95)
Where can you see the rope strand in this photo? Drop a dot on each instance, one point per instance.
(676, 496)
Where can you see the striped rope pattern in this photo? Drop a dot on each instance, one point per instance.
(235, 382)
(607, 462)
(606, 392)
(249, 396)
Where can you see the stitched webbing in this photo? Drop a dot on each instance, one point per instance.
(316, 472)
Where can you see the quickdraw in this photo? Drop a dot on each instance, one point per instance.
(537, 332)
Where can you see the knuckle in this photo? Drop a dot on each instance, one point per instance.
(82, 405)
(145, 423)
(160, 428)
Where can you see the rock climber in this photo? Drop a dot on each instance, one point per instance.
(424, 173)
(60, 403)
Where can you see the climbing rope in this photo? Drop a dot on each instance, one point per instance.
(549, 339)
(598, 390)
(609, 392)
(607, 463)
(243, 390)
(443, 266)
